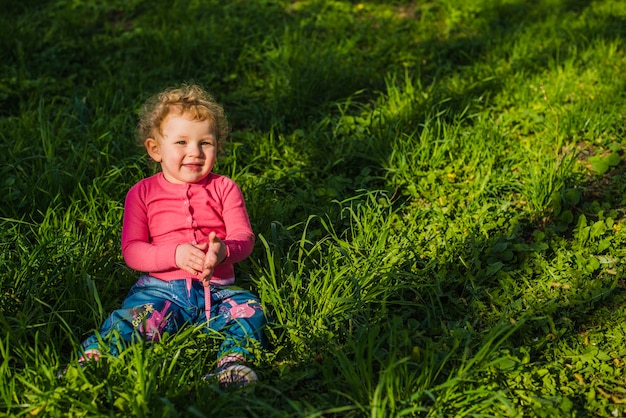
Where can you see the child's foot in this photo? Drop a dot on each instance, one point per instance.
(89, 356)
(233, 376)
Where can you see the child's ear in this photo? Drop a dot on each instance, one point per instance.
(152, 146)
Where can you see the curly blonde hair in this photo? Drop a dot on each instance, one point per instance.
(189, 99)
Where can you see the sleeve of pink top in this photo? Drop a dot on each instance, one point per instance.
(138, 252)
(239, 238)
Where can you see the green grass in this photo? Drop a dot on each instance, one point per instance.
(437, 188)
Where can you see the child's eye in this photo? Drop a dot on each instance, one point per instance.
(181, 142)
(207, 143)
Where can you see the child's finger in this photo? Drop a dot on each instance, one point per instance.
(190, 270)
(206, 275)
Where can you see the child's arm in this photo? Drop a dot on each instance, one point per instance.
(239, 239)
(238, 242)
(137, 248)
(140, 254)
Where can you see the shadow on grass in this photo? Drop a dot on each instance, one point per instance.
(498, 262)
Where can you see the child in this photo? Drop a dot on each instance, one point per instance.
(185, 227)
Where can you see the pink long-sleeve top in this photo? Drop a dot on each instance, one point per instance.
(159, 215)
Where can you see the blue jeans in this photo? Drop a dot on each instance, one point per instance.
(154, 306)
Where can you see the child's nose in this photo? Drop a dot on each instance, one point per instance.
(196, 150)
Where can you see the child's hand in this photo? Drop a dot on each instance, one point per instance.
(216, 253)
(191, 258)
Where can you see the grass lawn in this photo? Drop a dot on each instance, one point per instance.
(438, 190)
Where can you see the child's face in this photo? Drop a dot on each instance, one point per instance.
(186, 148)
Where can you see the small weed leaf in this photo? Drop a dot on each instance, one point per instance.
(600, 164)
